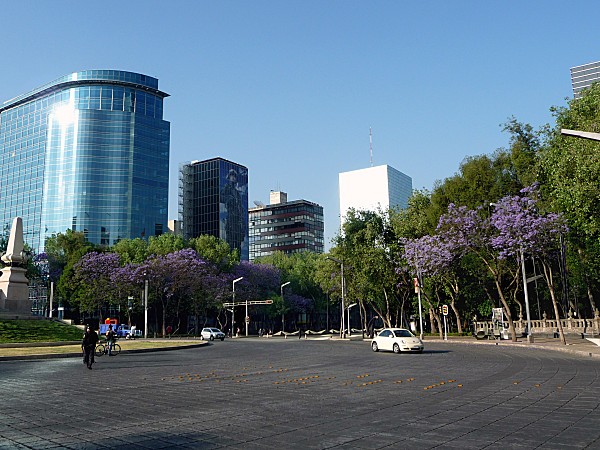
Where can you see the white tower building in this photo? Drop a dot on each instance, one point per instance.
(373, 188)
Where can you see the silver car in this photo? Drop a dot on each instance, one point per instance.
(397, 340)
(211, 334)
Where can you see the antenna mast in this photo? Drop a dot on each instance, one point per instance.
(371, 145)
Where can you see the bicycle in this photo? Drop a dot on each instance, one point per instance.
(102, 349)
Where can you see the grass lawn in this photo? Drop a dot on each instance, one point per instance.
(12, 331)
(125, 345)
(31, 331)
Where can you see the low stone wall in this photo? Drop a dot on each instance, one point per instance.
(570, 325)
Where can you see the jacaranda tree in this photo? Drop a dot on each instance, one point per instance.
(521, 228)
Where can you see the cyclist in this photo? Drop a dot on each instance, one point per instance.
(110, 339)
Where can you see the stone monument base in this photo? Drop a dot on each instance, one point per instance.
(14, 291)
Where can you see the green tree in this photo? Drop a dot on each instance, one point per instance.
(368, 246)
(63, 251)
(570, 183)
(216, 251)
(132, 250)
(164, 244)
(301, 270)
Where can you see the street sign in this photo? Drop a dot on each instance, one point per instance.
(247, 319)
(251, 302)
(445, 310)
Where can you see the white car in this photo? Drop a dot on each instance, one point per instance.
(397, 340)
(211, 334)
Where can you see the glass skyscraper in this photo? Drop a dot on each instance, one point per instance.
(87, 152)
(213, 200)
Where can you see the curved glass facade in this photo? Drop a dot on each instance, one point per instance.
(87, 152)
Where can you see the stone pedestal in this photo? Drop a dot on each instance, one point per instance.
(14, 291)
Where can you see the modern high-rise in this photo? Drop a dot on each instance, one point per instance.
(289, 227)
(373, 188)
(584, 76)
(88, 152)
(213, 200)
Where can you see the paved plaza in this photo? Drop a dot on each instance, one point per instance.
(305, 394)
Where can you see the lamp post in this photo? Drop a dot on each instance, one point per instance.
(51, 296)
(233, 307)
(343, 326)
(145, 307)
(283, 307)
(526, 296)
(418, 288)
(349, 327)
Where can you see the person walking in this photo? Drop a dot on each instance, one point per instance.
(90, 339)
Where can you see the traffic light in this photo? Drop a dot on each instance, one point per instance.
(445, 310)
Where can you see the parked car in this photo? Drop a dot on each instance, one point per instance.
(211, 334)
(121, 331)
(397, 340)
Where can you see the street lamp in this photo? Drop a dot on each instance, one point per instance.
(349, 327)
(283, 307)
(343, 326)
(51, 295)
(418, 289)
(526, 296)
(145, 307)
(233, 307)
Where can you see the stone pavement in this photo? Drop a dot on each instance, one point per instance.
(304, 394)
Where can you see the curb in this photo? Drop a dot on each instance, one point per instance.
(78, 354)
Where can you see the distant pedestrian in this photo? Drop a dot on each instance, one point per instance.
(88, 345)
(299, 333)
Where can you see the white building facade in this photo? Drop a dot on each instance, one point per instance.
(373, 188)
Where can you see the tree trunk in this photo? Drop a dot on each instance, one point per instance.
(455, 288)
(511, 325)
(387, 319)
(496, 275)
(457, 315)
(550, 281)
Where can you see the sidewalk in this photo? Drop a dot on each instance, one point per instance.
(575, 344)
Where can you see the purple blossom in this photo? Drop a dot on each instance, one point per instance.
(260, 281)
(298, 303)
(429, 254)
(519, 226)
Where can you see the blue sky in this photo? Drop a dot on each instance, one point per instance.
(290, 88)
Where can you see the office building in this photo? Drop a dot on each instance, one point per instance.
(584, 76)
(87, 152)
(374, 188)
(213, 200)
(290, 227)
